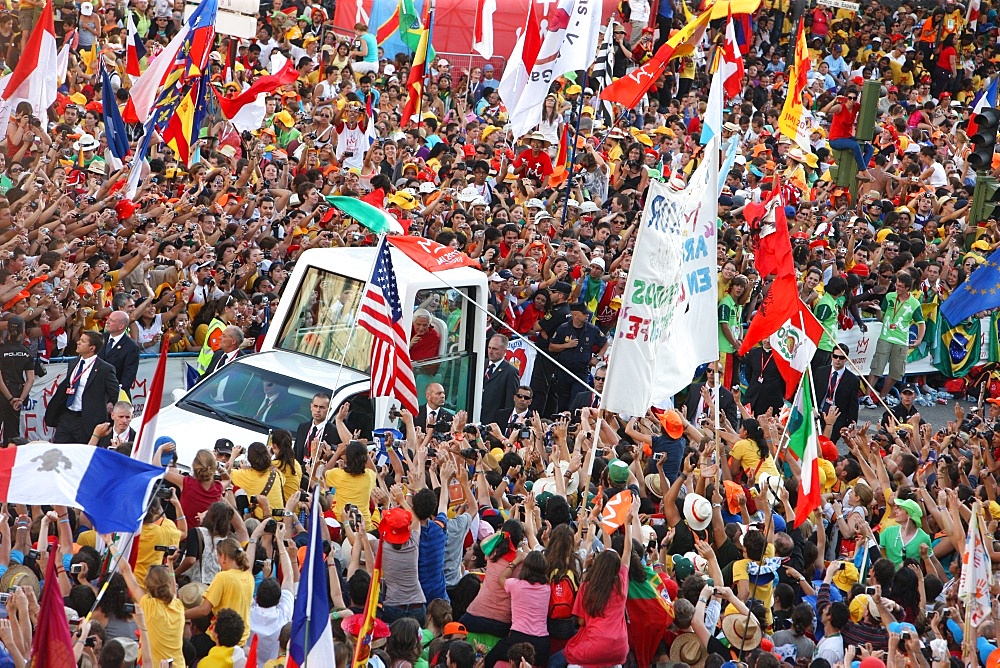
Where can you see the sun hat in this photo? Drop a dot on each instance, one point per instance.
(86, 143)
(912, 509)
(687, 648)
(742, 631)
(846, 576)
(697, 511)
(672, 423)
(191, 594)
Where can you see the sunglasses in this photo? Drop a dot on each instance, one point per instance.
(840, 357)
(522, 396)
(596, 378)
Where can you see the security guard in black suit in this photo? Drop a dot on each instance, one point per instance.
(576, 344)
(543, 376)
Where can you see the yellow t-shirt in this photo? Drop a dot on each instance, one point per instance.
(293, 479)
(763, 592)
(253, 483)
(165, 627)
(232, 589)
(161, 532)
(277, 663)
(356, 489)
(746, 454)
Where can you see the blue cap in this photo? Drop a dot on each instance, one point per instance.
(162, 440)
(790, 211)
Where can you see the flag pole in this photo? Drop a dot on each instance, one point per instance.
(576, 134)
(968, 647)
(510, 333)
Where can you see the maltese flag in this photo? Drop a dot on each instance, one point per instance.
(482, 40)
(732, 62)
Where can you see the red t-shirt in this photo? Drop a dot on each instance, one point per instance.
(426, 347)
(842, 123)
(603, 640)
(195, 499)
(537, 166)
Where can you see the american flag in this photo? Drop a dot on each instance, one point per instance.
(382, 315)
(604, 65)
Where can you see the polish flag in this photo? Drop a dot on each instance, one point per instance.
(246, 111)
(482, 39)
(35, 78)
(972, 14)
(135, 50)
(732, 62)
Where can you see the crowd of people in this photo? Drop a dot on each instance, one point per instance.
(497, 549)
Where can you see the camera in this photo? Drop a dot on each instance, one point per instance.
(394, 413)
(91, 641)
(515, 498)
(163, 492)
(657, 456)
(524, 434)
(76, 569)
(469, 453)
(270, 526)
(168, 550)
(128, 608)
(870, 591)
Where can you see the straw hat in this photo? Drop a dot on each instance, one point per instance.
(20, 576)
(191, 594)
(742, 631)
(688, 649)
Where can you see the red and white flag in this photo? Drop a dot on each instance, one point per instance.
(732, 62)
(568, 44)
(972, 14)
(431, 255)
(143, 448)
(142, 95)
(246, 111)
(977, 573)
(794, 345)
(35, 77)
(482, 38)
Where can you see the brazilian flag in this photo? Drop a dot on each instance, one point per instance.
(993, 341)
(959, 348)
(929, 345)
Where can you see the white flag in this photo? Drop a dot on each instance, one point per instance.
(656, 348)
(568, 43)
(695, 338)
(977, 573)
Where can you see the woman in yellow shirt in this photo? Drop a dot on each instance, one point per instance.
(260, 476)
(751, 453)
(286, 463)
(354, 482)
(162, 610)
(232, 586)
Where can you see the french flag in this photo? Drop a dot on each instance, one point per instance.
(312, 635)
(986, 100)
(135, 50)
(112, 489)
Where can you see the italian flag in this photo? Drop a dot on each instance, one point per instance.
(802, 440)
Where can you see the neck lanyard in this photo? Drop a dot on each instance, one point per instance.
(86, 366)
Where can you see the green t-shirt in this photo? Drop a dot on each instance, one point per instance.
(892, 546)
(898, 316)
(729, 313)
(826, 313)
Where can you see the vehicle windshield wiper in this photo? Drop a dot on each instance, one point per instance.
(231, 418)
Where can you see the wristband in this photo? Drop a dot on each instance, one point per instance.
(182, 517)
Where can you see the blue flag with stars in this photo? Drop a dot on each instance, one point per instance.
(979, 292)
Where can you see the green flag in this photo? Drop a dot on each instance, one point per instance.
(410, 28)
(375, 219)
(960, 346)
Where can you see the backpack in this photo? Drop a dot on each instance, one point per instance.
(561, 598)
(624, 10)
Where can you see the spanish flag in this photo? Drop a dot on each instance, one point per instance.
(793, 122)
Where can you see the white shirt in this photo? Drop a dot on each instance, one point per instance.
(113, 341)
(75, 402)
(266, 623)
(702, 408)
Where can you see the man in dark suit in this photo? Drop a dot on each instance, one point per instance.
(117, 432)
(434, 408)
(85, 396)
(322, 426)
(837, 386)
(700, 397)
(589, 398)
(229, 350)
(120, 351)
(499, 383)
(276, 404)
(519, 415)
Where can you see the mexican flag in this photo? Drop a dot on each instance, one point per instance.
(802, 440)
(794, 345)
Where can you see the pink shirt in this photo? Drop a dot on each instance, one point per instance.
(493, 601)
(530, 603)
